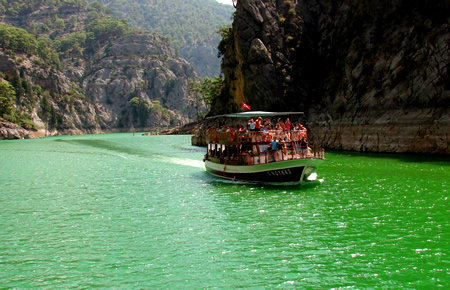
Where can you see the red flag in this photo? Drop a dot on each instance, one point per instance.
(245, 106)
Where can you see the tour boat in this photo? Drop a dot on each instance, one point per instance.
(241, 154)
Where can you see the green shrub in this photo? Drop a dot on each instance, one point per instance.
(226, 39)
(25, 121)
(17, 39)
(7, 99)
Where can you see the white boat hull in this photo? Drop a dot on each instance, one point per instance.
(288, 171)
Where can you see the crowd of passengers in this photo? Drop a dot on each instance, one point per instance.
(259, 131)
(277, 135)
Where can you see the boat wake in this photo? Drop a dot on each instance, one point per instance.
(187, 162)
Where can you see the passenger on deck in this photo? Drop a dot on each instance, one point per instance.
(304, 131)
(304, 147)
(274, 144)
(231, 133)
(229, 129)
(273, 149)
(241, 130)
(287, 129)
(280, 125)
(267, 125)
(287, 125)
(258, 124)
(258, 129)
(251, 125)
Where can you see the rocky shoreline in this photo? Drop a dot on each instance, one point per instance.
(343, 137)
(10, 131)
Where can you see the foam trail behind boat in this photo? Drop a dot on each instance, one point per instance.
(187, 162)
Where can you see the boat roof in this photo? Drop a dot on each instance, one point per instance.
(250, 114)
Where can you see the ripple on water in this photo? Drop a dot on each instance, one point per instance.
(115, 210)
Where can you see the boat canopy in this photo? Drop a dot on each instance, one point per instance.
(251, 114)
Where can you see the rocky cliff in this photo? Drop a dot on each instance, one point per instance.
(52, 101)
(109, 78)
(370, 75)
(138, 82)
(191, 26)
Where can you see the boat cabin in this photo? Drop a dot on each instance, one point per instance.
(245, 147)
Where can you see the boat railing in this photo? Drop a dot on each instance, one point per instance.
(231, 136)
(289, 145)
(286, 151)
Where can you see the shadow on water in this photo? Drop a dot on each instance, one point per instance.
(188, 149)
(110, 146)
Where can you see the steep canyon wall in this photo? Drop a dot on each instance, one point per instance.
(370, 75)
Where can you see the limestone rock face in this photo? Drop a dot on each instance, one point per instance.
(370, 75)
(10, 130)
(270, 62)
(113, 82)
(135, 80)
(55, 103)
(386, 87)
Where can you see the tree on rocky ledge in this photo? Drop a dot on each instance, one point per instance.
(7, 97)
(204, 91)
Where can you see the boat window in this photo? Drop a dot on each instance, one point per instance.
(212, 149)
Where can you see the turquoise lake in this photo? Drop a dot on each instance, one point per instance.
(132, 211)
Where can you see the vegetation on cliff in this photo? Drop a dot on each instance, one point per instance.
(72, 27)
(17, 40)
(36, 44)
(190, 25)
(205, 91)
(70, 66)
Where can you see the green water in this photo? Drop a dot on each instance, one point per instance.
(125, 211)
